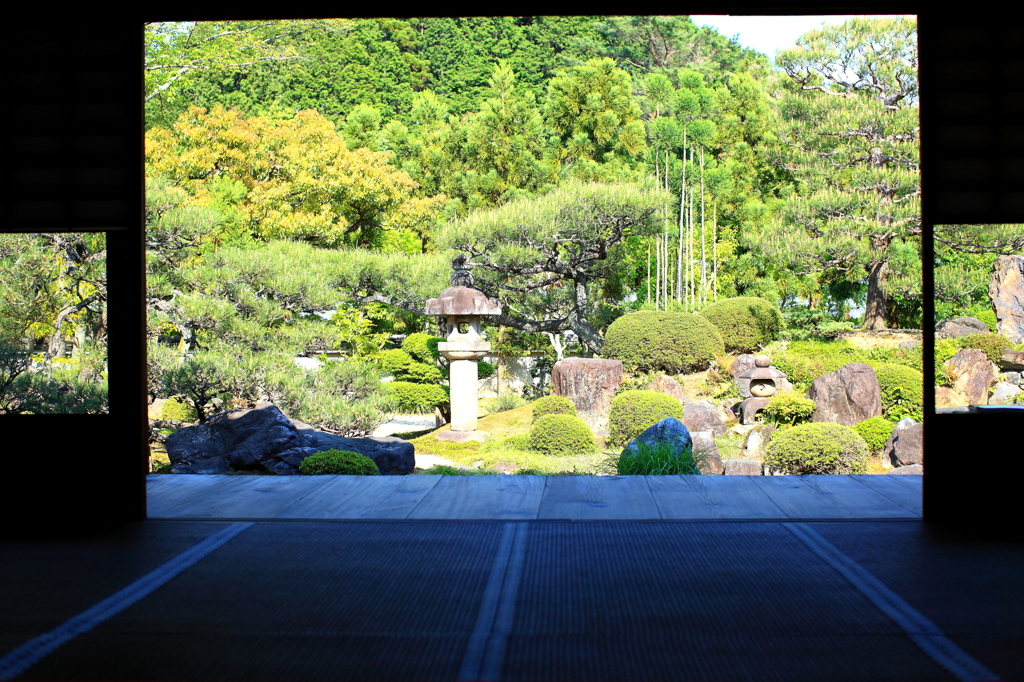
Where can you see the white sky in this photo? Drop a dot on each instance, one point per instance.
(766, 34)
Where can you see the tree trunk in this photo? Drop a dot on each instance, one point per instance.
(589, 336)
(874, 312)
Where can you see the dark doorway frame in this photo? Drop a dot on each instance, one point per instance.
(74, 163)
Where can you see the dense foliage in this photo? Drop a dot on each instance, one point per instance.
(819, 448)
(789, 409)
(664, 342)
(875, 432)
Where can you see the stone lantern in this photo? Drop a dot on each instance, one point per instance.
(463, 305)
(758, 384)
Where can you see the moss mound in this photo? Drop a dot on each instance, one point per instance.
(338, 462)
(552, 404)
(673, 343)
(746, 323)
(633, 412)
(820, 448)
(561, 434)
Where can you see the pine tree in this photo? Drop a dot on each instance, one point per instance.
(850, 111)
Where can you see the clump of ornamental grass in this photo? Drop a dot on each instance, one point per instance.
(659, 458)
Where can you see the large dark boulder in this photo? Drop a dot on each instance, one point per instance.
(846, 396)
(674, 432)
(264, 439)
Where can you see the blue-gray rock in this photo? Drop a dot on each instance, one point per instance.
(669, 430)
(264, 439)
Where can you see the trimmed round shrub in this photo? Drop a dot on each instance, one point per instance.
(988, 317)
(422, 347)
(747, 323)
(561, 434)
(338, 462)
(674, 343)
(902, 391)
(176, 410)
(552, 404)
(875, 432)
(789, 408)
(417, 398)
(820, 448)
(633, 412)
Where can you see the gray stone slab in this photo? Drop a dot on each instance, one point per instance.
(232, 497)
(828, 497)
(482, 497)
(585, 498)
(908, 497)
(712, 497)
(362, 497)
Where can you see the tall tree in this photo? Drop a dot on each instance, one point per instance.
(850, 137)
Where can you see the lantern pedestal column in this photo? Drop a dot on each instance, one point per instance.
(462, 380)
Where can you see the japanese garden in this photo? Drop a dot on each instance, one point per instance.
(685, 257)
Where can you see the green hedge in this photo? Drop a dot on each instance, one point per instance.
(633, 412)
(338, 462)
(422, 347)
(417, 398)
(902, 391)
(673, 343)
(747, 323)
(177, 410)
(789, 408)
(875, 432)
(552, 404)
(820, 448)
(561, 434)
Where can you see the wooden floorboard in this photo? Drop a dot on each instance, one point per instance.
(362, 497)
(249, 497)
(828, 497)
(711, 497)
(908, 497)
(594, 498)
(482, 497)
(534, 497)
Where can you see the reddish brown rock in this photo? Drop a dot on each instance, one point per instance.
(906, 446)
(742, 467)
(739, 366)
(1006, 289)
(663, 383)
(704, 447)
(590, 383)
(972, 374)
(846, 396)
(703, 417)
(947, 397)
(1012, 360)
